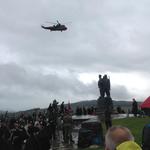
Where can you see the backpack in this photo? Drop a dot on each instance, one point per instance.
(146, 137)
(85, 138)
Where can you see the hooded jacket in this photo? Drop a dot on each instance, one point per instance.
(128, 145)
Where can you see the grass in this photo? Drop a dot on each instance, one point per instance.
(134, 124)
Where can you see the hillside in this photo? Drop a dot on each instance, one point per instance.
(86, 103)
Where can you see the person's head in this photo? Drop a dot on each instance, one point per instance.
(133, 99)
(105, 76)
(30, 130)
(117, 135)
(100, 76)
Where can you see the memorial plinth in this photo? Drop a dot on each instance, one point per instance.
(103, 104)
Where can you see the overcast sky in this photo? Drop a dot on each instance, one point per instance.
(104, 37)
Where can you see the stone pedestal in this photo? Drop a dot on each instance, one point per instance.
(104, 103)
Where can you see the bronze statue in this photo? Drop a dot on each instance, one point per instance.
(100, 85)
(104, 86)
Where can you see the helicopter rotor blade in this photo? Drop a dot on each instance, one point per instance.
(67, 22)
(57, 22)
(50, 22)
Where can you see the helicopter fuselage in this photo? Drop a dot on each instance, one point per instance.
(55, 28)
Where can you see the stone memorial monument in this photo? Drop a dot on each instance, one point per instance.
(104, 102)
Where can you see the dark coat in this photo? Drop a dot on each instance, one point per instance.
(32, 143)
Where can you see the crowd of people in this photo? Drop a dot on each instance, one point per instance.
(85, 111)
(36, 131)
(40, 129)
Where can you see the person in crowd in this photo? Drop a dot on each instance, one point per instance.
(62, 108)
(84, 111)
(67, 128)
(4, 135)
(108, 120)
(53, 118)
(55, 105)
(53, 124)
(44, 136)
(134, 107)
(18, 135)
(32, 142)
(120, 138)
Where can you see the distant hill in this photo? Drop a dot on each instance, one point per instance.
(86, 103)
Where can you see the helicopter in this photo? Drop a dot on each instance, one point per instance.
(57, 27)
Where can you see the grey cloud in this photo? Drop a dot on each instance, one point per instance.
(103, 36)
(19, 85)
(120, 92)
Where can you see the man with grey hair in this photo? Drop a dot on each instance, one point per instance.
(120, 138)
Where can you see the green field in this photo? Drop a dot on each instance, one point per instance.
(134, 124)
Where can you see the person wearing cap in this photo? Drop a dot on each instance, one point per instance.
(120, 138)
